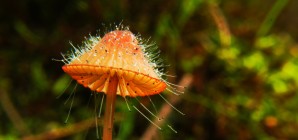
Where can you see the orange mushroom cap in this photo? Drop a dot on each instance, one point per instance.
(120, 53)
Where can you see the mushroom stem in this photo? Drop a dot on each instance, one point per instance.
(110, 107)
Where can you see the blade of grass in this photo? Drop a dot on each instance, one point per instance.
(271, 17)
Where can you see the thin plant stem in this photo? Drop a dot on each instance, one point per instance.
(13, 113)
(110, 107)
(269, 21)
(165, 110)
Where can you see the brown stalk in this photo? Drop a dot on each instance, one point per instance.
(68, 130)
(110, 108)
(166, 109)
(221, 23)
(13, 113)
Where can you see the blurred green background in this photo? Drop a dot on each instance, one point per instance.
(242, 57)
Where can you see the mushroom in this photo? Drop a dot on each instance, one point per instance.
(116, 64)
